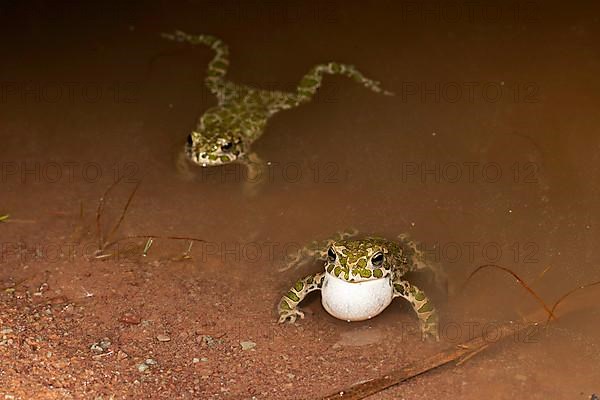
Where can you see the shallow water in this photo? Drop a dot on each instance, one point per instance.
(488, 153)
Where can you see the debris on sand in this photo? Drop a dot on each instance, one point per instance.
(163, 338)
(143, 367)
(247, 345)
(101, 346)
(208, 341)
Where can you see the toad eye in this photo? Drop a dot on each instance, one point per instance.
(377, 259)
(190, 140)
(227, 146)
(331, 256)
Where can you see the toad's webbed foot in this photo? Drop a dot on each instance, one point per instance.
(288, 305)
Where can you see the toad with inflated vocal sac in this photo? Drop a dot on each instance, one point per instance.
(360, 279)
(225, 133)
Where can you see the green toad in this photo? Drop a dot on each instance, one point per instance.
(225, 132)
(360, 279)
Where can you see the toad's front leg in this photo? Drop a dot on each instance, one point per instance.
(427, 314)
(288, 306)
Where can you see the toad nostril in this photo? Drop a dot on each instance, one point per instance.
(190, 140)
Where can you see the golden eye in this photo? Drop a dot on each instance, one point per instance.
(331, 256)
(377, 259)
(227, 146)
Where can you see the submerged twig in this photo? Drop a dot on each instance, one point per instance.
(99, 211)
(186, 255)
(570, 292)
(460, 353)
(104, 243)
(471, 355)
(4, 218)
(147, 246)
(464, 351)
(122, 217)
(149, 241)
(148, 237)
(518, 278)
(541, 275)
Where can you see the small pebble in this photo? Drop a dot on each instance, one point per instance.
(207, 340)
(247, 345)
(142, 367)
(163, 338)
(101, 346)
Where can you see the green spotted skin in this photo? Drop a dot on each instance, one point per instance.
(224, 133)
(317, 249)
(369, 258)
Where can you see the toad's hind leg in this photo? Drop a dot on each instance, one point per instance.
(428, 317)
(288, 305)
(217, 68)
(312, 80)
(417, 260)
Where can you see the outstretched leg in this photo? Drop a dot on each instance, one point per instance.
(217, 68)
(316, 249)
(312, 81)
(428, 317)
(288, 306)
